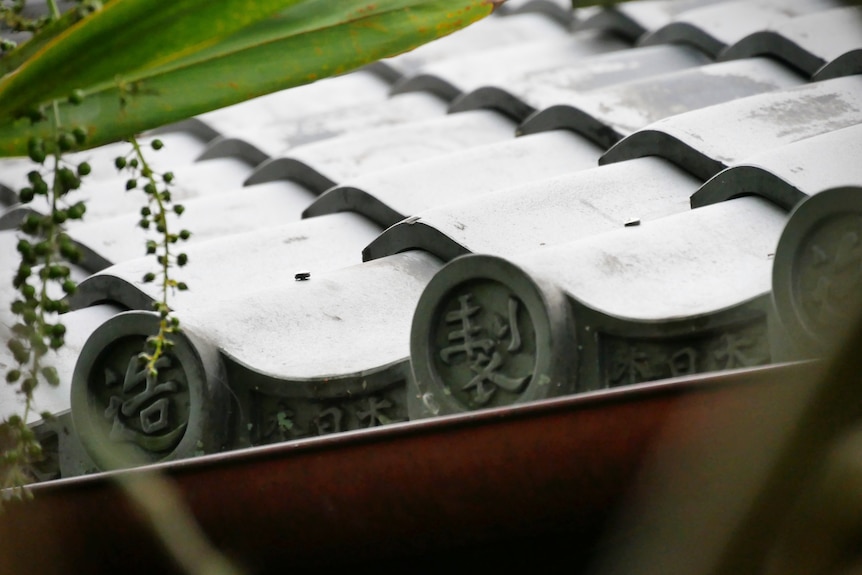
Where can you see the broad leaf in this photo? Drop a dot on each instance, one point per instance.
(125, 36)
(14, 59)
(312, 39)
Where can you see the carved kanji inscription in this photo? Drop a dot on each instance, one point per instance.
(147, 410)
(629, 361)
(828, 273)
(485, 345)
(277, 419)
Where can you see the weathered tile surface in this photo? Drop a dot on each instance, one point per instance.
(562, 151)
(679, 295)
(706, 141)
(392, 195)
(824, 44)
(788, 174)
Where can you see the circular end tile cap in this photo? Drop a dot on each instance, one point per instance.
(487, 334)
(817, 273)
(125, 417)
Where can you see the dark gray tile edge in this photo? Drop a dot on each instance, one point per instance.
(567, 117)
(350, 199)
(427, 83)
(846, 64)
(224, 147)
(91, 261)
(413, 234)
(339, 386)
(105, 287)
(740, 181)
(11, 219)
(274, 410)
(8, 196)
(685, 33)
(289, 169)
(650, 142)
(194, 126)
(614, 21)
(493, 98)
(384, 71)
(771, 43)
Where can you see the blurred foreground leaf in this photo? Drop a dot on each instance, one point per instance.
(146, 63)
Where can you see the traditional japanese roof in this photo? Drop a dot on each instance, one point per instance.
(548, 202)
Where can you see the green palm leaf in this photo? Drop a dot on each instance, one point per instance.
(199, 55)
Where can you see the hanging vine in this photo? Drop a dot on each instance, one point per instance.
(43, 282)
(156, 214)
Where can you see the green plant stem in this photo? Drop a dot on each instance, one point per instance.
(161, 218)
(52, 8)
(165, 510)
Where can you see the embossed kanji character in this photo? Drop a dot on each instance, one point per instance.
(154, 417)
(484, 347)
(486, 371)
(683, 362)
(279, 424)
(465, 339)
(732, 351)
(629, 365)
(840, 275)
(328, 421)
(372, 415)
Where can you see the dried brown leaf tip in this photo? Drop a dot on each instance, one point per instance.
(495, 3)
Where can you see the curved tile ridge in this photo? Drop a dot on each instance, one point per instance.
(636, 304)
(323, 164)
(193, 126)
(276, 169)
(285, 362)
(714, 28)
(292, 104)
(91, 259)
(545, 212)
(182, 145)
(118, 239)
(224, 147)
(704, 142)
(391, 195)
(415, 234)
(491, 33)
(278, 139)
(607, 115)
(455, 76)
(543, 88)
(634, 19)
(493, 98)
(791, 173)
(79, 325)
(310, 327)
(822, 45)
(629, 273)
(106, 199)
(8, 196)
(222, 267)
